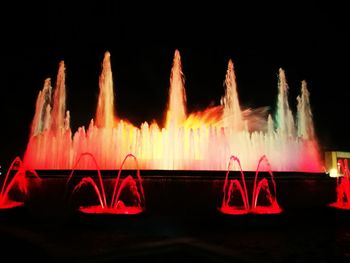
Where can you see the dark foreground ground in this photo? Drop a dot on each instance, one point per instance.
(181, 223)
(322, 235)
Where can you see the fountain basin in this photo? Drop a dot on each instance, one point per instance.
(10, 204)
(172, 193)
(95, 209)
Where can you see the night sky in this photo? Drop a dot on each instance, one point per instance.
(309, 42)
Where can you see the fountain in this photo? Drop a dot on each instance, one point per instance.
(185, 173)
(133, 204)
(187, 141)
(232, 187)
(17, 182)
(343, 187)
(187, 144)
(235, 195)
(261, 188)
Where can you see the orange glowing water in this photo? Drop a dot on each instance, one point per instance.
(187, 141)
(235, 195)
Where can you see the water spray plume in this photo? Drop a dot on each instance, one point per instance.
(176, 114)
(105, 113)
(201, 140)
(117, 205)
(235, 190)
(232, 111)
(17, 181)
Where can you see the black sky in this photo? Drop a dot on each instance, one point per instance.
(309, 42)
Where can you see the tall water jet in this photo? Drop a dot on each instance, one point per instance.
(50, 114)
(105, 113)
(304, 114)
(232, 110)
(60, 119)
(176, 112)
(99, 137)
(284, 117)
(50, 136)
(41, 118)
(306, 129)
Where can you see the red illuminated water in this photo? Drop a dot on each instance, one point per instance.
(201, 140)
(17, 183)
(130, 210)
(235, 195)
(134, 203)
(233, 188)
(343, 187)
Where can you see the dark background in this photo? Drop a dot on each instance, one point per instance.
(309, 42)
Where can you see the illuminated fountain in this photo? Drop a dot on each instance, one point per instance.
(187, 141)
(18, 183)
(133, 204)
(235, 195)
(343, 187)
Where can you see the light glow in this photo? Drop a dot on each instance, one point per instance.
(203, 140)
